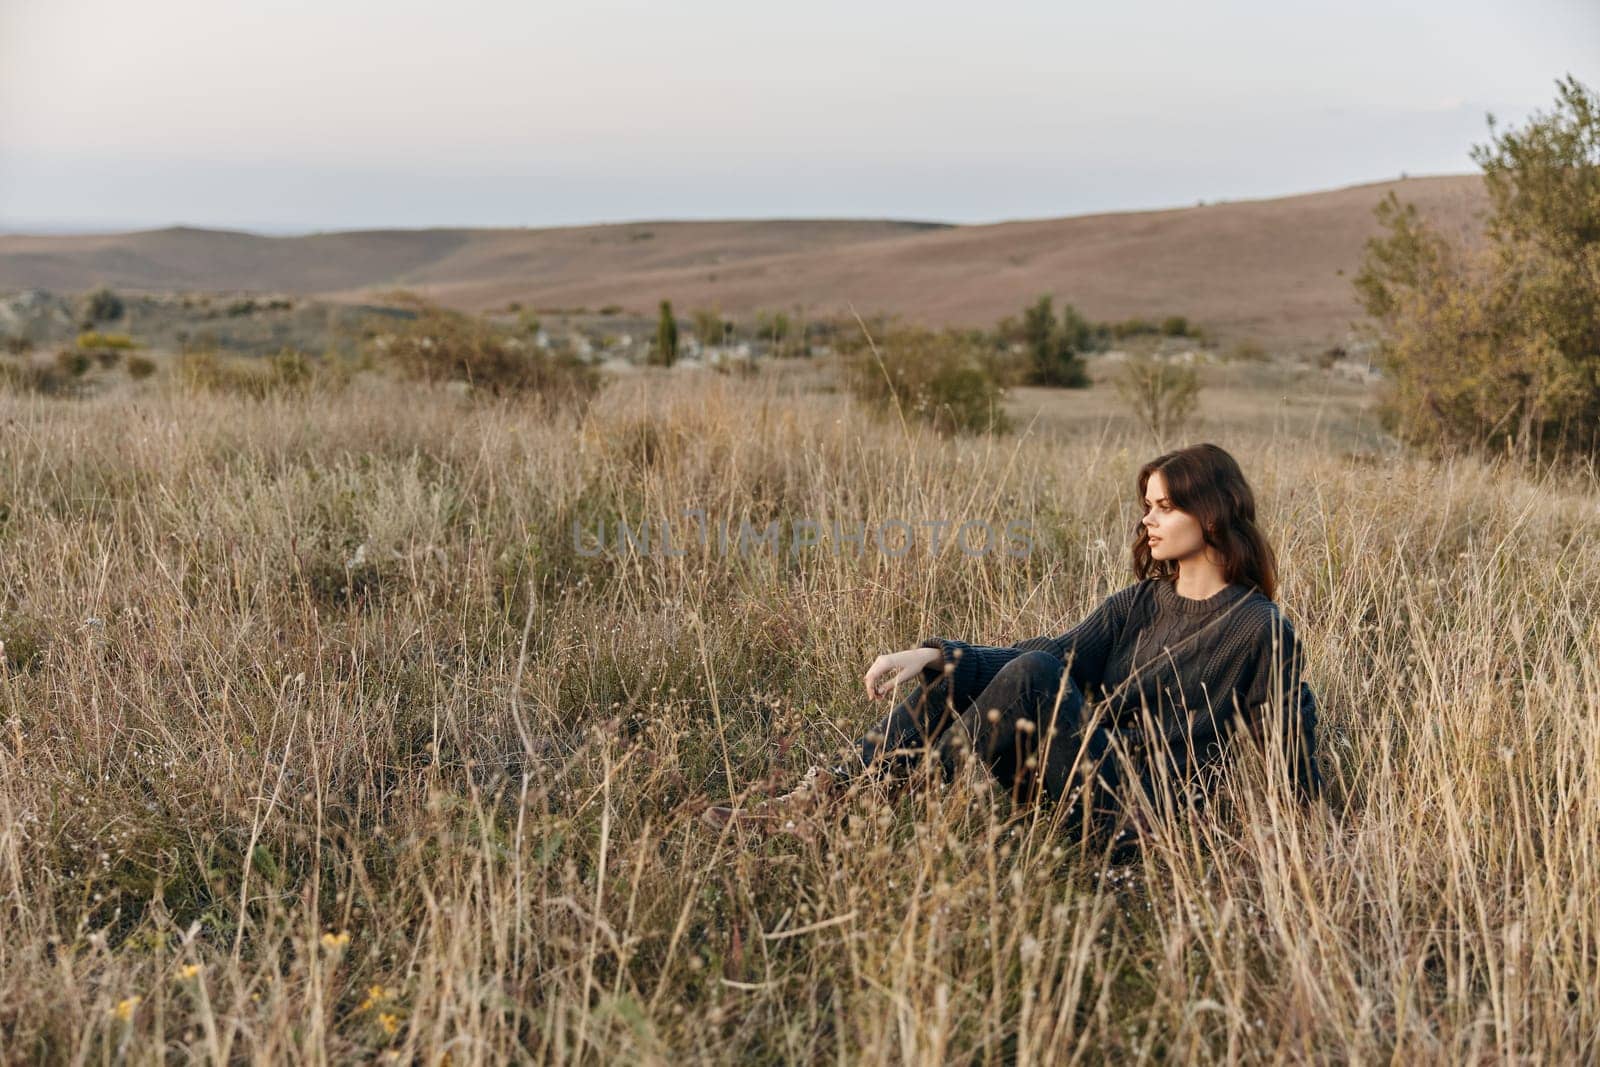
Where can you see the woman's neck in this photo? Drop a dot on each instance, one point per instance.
(1199, 579)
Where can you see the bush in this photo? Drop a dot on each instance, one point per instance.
(710, 327)
(92, 340)
(1175, 326)
(1498, 348)
(102, 305)
(1248, 350)
(17, 344)
(440, 345)
(72, 363)
(140, 367)
(940, 378)
(1160, 394)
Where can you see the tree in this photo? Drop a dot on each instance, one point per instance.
(666, 351)
(1497, 346)
(1054, 346)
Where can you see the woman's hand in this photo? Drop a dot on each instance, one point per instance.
(892, 668)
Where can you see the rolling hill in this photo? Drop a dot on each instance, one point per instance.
(1276, 270)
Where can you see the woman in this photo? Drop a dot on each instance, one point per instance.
(1152, 685)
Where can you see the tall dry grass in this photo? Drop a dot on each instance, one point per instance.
(321, 742)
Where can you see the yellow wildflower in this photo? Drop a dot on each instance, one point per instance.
(188, 970)
(388, 1021)
(333, 942)
(376, 995)
(124, 1008)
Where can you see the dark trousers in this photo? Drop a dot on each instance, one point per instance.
(1026, 727)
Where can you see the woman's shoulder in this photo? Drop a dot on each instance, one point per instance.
(1133, 595)
(1262, 618)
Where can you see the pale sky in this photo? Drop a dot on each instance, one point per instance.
(294, 115)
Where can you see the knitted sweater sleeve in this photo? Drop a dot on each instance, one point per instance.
(1084, 649)
(1278, 690)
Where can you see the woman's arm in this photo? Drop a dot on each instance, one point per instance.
(1084, 649)
(1279, 689)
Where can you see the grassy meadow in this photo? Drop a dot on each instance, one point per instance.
(323, 742)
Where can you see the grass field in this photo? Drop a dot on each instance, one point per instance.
(322, 741)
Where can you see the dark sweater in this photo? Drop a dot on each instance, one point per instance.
(1198, 668)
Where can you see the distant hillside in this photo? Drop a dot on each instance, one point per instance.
(1276, 270)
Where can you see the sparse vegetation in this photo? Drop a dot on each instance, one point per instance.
(1160, 393)
(710, 327)
(288, 373)
(440, 345)
(777, 330)
(1247, 350)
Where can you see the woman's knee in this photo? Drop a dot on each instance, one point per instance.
(1031, 668)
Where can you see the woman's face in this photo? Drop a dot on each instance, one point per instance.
(1173, 534)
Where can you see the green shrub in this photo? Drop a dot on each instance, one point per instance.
(940, 378)
(665, 352)
(140, 367)
(1175, 326)
(1498, 347)
(1055, 346)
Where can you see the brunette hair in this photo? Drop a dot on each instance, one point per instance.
(1205, 481)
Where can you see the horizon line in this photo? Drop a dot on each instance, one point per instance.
(71, 228)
